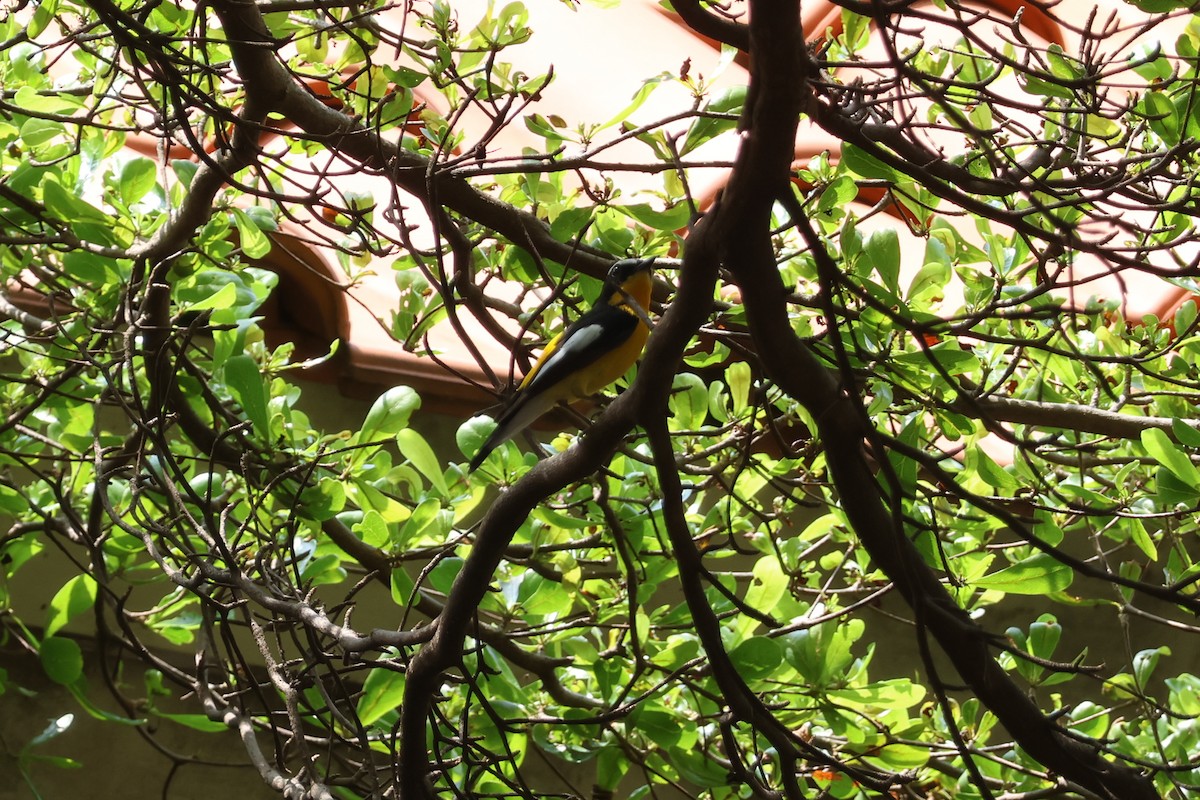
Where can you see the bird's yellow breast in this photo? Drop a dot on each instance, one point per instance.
(614, 364)
(610, 366)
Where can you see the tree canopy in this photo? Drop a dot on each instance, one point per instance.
(911, 385)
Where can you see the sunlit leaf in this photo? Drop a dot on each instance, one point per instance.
(702, 129)
(389, 414)
(1039, 574)
(253, 241)
(414, 448)
(138, 177)
(1168, 454)
(197, 722)
(381, 694)
(246, 382)
(76, 596)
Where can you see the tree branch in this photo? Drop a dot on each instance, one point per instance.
(1068, 416)
(662, 357)
(842, 425)
(712, 26)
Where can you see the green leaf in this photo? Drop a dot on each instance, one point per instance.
(851, 240)
(670, 219)
(1173, 492)
(30, 98)
(1160, 112)
(78, 691)
(882, 249)
(245, 380)
(37, 133)
(62, 660)
(893, 693)
(1185, 694)
(1089, 719)
(766, 589)
(860, 162)
(325, 499)
(1186, 433)
(12, 501)
(566, 225)
(856, 30)
(821, 653)
(1063, 67)
(184, 170)
(948, 355)
(402, 587)
(1044, 88)
(234, 296)
(703, 129)
(197, 722)
(696, 768)
(1038, 574)
(541, 597)
(657, 725)
(70, 208)
(382, 692)
(423, 517)
(1043, 636)
(254, 243)
(1139, 536)
(1146, 661)
(901, 757)
(1160, 447)
(757, 657)
(326, 569)
(639, 97)
(441, 577)
(138, 177)
(994, 475)
(738, 377)
(87, 268)
(930, 281)
(389, 414)
(689, 402)
(1160, 6)
(372, 529)
(43, 14)
(418, 452)
(76, 596)
(839, 194)
(262, 217)
(371, 499)
(404, 76)
(224, 297)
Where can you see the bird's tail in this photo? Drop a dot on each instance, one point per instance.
(515, 418)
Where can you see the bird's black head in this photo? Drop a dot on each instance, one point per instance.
(619, 275)
(626, 268)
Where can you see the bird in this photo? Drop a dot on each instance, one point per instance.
(591, 353)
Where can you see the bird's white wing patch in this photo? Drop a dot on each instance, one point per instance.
(578, 341)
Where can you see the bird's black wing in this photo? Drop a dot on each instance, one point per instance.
(586, 340)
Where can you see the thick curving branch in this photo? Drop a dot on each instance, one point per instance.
(842, 425)
(842, 430)
(712, 26)
(253, 47)
(663, 354)
(740, 233)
